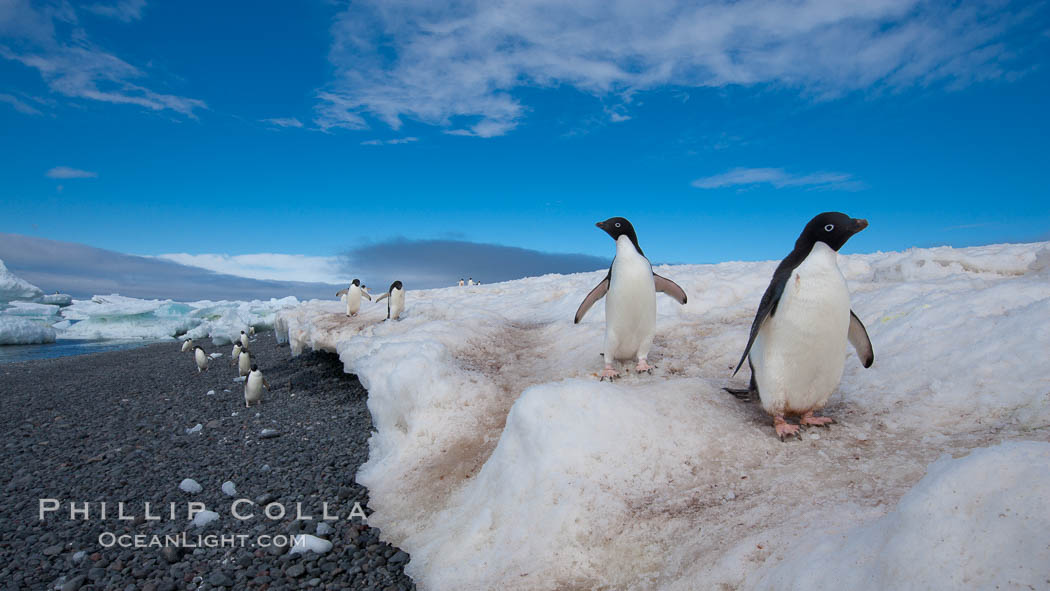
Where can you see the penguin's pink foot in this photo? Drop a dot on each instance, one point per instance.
(643, 366)
(809, 419)
(784, 428)
(609, 373)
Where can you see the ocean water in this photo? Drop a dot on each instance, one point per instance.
(66, 348)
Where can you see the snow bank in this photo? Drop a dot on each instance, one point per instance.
(979, 522)
(500, 461)
(15, 330)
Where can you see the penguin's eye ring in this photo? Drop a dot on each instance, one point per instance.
(829, 227)
(617, 224)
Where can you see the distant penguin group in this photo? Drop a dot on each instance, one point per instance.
(254, 383)
(797, 344)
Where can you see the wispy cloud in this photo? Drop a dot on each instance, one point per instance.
(71, 64)
(779, 178)
(65, 172)
(19, 105)
(457, 66)
(283, 122)
(398, 140)
(123, 10)
(440, 263)
(279, 267)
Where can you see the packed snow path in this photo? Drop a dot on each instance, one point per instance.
(500, 461)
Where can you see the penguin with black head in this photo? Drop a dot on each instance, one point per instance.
(395, 300)
(629, 289)
(797, 345)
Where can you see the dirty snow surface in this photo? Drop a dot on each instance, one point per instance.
(500, 461)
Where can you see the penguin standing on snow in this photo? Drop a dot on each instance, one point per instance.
(395, 300)
(253, 386)
(629, 289)
(353, 294)
(244, 362)
(797, 346)
(187, 345)
(201, 358)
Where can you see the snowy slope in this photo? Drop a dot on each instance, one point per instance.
(500, 461)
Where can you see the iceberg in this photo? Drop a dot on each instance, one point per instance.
(499, 460)
(15, 330)
(13, 287)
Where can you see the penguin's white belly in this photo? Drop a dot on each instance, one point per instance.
(397, 303)
(253, 388)
(353, 301)
(201, 359)
(799, 353)
(630, 307)
(244, 364)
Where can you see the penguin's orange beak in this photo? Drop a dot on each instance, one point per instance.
(858, 225)
(600, 225)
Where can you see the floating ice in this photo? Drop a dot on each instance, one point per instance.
(119, 317)
(15, 330)
(499, 460)
(190, 485)
(13, 287)
(204, 518)
(229, 489)
(307, 543)
(57, 299)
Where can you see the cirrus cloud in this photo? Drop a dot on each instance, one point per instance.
(779, 178)
(65, 172)
(458, 65)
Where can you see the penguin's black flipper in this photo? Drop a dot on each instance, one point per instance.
(768, 306)
(341, 293)
(665, 285)
(596, 294)
(858, 337)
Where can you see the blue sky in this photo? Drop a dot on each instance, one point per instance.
(322, 128)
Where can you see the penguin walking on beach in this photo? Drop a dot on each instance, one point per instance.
(235, 355)
(353, 294)
(253, 386)
(797, 345)
(201, 358)
(244, 339)
(629, 289)
(395, 300)
(187, 345)
(244, 362)
(251, 331)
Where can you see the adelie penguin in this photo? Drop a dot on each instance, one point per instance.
(244, 362)
(201, 358)
(237, 348)
(353, 294)
(629, 289)
(797, 345)
(187, 345)
(253, 387)
(244, 339)
(395, 300)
